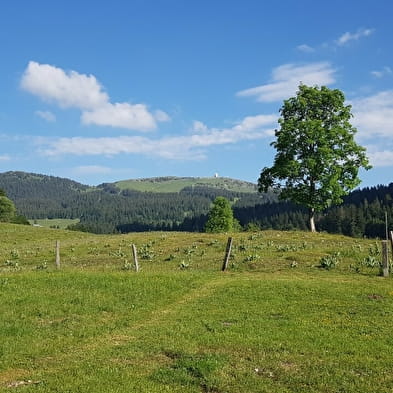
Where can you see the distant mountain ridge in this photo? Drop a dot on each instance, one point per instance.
(177, 184)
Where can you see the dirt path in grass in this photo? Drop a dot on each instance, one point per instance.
(123, 336)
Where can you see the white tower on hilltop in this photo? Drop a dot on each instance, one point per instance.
(216, 175)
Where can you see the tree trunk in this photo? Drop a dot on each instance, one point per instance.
(312, 221)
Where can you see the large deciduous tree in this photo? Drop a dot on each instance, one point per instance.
(317, 160)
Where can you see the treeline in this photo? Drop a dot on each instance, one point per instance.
(107, 209)
(134, 211)
(362, 214)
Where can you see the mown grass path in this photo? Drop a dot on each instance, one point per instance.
(196, 332)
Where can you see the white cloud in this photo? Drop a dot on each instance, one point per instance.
(161, 116)
(373, 115)
(381, 73)
(66, 89)
(305, 48)
(121, 115)
(286, 79)
(46, 115)
(255, 122)
(5, 157)
(346, 37)
(382, 158)
(199, 127)
(91, 170)
(74, 90)
(188, 147)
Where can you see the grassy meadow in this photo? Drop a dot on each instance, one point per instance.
(295, 312)
(59, 223)
(176, 184)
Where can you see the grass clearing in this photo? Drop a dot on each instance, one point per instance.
(263, 326)
(176, 184)
(57, 223)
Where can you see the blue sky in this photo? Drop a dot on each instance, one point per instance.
(100, 91)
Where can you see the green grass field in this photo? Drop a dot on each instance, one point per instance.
(274, 322)
(58, 223)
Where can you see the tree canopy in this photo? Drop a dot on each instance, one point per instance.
(317, 160)
(220, 217)
(7, 208)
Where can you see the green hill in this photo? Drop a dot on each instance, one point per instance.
(177, 184)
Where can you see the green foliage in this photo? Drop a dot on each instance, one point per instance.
(220, 217)
(330, 261)
(317, 160)
(371, 261)
(19, 219)
(7, 209)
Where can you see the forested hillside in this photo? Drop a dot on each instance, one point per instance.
(362, 213)
(108, 208)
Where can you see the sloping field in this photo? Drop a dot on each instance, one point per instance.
(274, 322)
(176, 184)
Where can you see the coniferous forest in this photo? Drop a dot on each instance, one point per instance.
(109, 209)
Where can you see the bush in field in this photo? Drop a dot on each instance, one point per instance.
(7, 208)
(330, 261)
(220, 218)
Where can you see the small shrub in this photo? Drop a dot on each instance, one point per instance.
(330, 261)
(251, 258)
(43, 266)
(146, 251)
(12, 264)
(127, 265)
(119, 253)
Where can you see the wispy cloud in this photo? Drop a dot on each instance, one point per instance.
(186, 147)
(372, 117)
(4, 157)
(347, 37)
(74, 90)
(46, 115)
(286, 79)
(380, 158)
(305, 48)
(373, 114)
(385, 71)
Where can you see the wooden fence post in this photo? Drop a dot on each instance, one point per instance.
(57, 254)
(385, 258)
(227, 254)
(135, 255)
